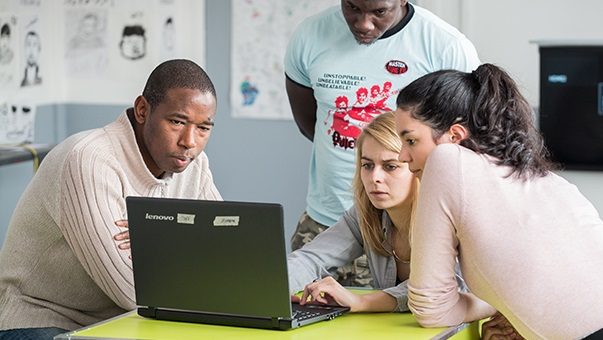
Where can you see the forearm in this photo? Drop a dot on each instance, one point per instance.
(445, 310)
(376, 302)
(87, 220)
(400, 293)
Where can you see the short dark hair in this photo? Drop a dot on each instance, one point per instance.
(488, 103)
(5, 30)
(176, 73)
(133, 30)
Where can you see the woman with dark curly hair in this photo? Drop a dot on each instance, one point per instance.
(529, 243)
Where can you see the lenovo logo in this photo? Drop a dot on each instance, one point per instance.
(158, 217)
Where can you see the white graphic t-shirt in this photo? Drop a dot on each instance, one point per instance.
(353, 83)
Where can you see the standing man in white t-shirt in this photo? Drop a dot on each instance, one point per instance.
(343, 67)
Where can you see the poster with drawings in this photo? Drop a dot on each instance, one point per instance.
(92, 51)
(33, 55)
(170, 29)
(112, 46)
(86, 38)
(133, 41)
(167, 45)
(36, 67)
(16, 123)
(260, 33)
(8, 53)
(105, 50)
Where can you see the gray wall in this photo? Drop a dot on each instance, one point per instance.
(251, 160)
(256, 160)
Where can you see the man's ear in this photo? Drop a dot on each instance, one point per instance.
(142, 109)
(457, 133)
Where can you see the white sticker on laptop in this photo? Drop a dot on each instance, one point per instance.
(185, 218)
(226, 221)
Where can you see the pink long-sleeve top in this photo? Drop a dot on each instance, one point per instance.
(531, 249)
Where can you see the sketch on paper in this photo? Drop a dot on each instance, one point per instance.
(8, 60)
(167, 24)
(16, 123)
(7, 50)
(32, 51)
(168, 38)
(89, 33)
(260, 33)
(249, 92)
(80, 50)
(133, 43)
(86, 35)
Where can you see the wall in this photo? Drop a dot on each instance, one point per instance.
(502, 32)
(256, 160)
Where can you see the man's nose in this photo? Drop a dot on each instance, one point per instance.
(187, 138)
(364, 23)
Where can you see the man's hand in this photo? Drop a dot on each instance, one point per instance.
(123, 238)
(498, 327)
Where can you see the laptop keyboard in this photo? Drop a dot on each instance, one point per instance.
(309, 311)
(301, 315)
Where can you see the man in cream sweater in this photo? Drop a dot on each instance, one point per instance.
(60, 268)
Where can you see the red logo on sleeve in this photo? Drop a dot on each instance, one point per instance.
(396, 67)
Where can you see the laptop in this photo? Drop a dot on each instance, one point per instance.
(215, 262)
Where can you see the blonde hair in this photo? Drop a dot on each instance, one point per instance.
(383, 130)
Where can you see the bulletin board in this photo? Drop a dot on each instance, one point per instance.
(260, 32)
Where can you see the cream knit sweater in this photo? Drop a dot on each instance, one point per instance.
(59, 265)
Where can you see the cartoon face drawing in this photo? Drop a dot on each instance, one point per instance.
(133, 42)
(6, 53)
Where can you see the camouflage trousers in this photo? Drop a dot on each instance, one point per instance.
(354, 274)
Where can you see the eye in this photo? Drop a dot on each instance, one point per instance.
(204, 127)
(411, 141)
(353, 7)
(391, 166)
(177, 122)
(367, 166)
(380, 12)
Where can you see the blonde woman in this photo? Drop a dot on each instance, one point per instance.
(377, 224)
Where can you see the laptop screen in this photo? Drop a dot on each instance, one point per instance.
(210, 256)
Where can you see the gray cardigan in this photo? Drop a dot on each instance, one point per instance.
(340, 244)
(337, 246)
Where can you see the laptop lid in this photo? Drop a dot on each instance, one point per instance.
(210, 261)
